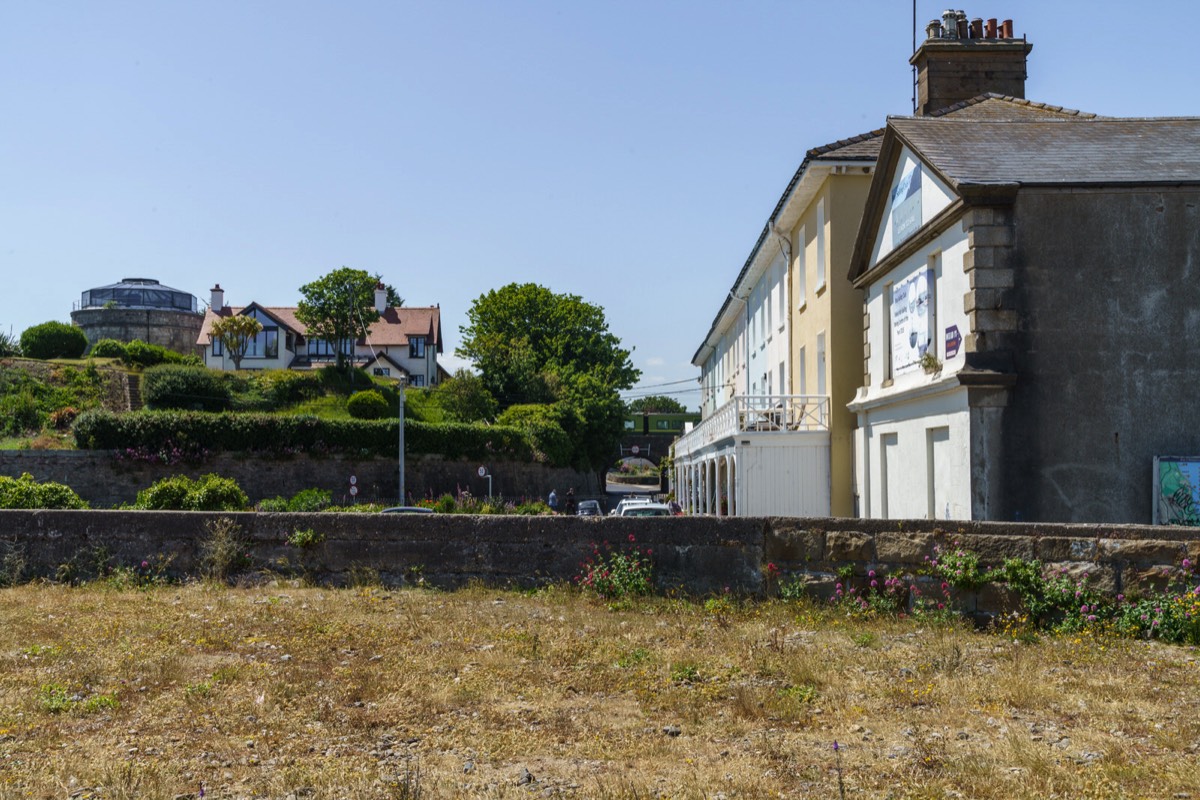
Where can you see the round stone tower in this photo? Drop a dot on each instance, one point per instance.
(140, 308)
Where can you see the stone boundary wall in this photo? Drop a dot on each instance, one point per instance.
(698, 555)
(104, 481)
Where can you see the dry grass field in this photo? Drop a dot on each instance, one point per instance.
(292, 692)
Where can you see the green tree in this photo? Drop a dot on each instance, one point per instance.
(235, 334)
(465, 398)
(656, 404)
(521, 335)
(339, 308)
(533, 346)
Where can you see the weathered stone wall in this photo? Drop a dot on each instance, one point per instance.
(695, 554)
(174, 330)
(105, 481)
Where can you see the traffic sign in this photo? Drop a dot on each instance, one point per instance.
(635, 450)
(483, 472)
(353, 480)
(353, 491)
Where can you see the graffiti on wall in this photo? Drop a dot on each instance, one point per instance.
(1176, 491)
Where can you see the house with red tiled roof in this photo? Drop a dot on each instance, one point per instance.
(404, 342)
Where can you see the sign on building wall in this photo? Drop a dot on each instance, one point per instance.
(912, 320)
(906, 204)
(1176, 490)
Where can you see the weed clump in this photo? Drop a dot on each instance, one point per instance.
(617, 574)
(224, 552)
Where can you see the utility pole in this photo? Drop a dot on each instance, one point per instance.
(401, 387)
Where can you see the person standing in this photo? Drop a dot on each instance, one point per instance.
(569, 506)
(552, 501)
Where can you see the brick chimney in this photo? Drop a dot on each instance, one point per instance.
(960, 60)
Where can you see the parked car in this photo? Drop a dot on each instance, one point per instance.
(626, 502)
(646, 510)
(407, 510)
(589, 508)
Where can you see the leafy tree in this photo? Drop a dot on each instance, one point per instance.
(656, 403)
(465, 398)
(520, 335)
(235, 334)
(339, 308)
(533, 346)
(53, 340)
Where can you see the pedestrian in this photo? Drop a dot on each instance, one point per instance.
(552, 501)
(569, 506)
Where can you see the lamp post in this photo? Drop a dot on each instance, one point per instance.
(400, 388)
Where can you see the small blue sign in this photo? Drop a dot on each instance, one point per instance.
(953, 341)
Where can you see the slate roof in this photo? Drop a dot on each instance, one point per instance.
(1003, 106)
(865, 147)
(1048, 151)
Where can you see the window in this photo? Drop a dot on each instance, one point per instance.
(801, 269)
(802, 373)
(382, 372)
(416, 380)
(416, 347)
(271, 342)
(782, 378)
(820, 244)
(218, 346)
(821, 363)
(662, 424)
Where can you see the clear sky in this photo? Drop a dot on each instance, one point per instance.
(627, 152)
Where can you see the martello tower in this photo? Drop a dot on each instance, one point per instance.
(961, 59)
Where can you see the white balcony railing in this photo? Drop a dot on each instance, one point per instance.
(786, 413)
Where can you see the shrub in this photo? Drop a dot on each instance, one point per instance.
(9, 345)
(108, 348)
(181, 493)
(141, 354)
(615, 574)
(178, 386)
(368, 404)
(25, 492)
(310, 500)
(53, 340)
(272, 505)
(19, 412)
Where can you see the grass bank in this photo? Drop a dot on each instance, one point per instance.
(360, 693)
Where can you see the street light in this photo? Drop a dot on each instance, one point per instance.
(400, 388)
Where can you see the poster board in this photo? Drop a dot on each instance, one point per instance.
(1176, 490)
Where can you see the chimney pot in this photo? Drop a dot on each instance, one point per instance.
(1006, 29)
(977, 28)
(949, 24)
(934, 29)
(991, 29)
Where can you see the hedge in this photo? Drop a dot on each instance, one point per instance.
(183, 387)
(100, 429)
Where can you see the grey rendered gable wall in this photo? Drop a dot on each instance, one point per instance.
(1107, 282)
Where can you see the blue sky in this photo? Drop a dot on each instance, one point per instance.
(628, 152)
